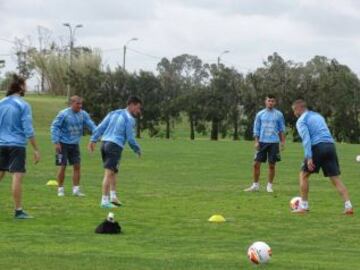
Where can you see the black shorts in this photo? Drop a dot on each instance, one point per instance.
(111, 155)
(324, 157)
(69, 152)
(12, 159)
(268, 151)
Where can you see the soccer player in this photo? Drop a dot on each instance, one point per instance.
(66, 131)
(269, 128)
(320, 152)
(15, 129)
(116, 129)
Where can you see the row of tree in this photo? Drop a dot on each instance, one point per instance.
(214, 98)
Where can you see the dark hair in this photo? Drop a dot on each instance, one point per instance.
(270, 96)
(16, 86)
(134, 100)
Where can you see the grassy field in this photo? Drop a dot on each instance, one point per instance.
(169, 194)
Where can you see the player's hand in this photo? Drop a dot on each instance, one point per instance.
(58, 148)
(282, 146)
(257, 146)
(91, 146)
(36, 156)
(310, 165)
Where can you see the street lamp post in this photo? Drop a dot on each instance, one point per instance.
(219, 57)
(72, 31)
(125, 46)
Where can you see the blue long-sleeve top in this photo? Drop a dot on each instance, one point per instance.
(268, 124)
(15, 121)
(68, 126)
(313, 130)
(117, 127)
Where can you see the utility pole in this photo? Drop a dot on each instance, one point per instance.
(124, 53)
(219, 57)
(71, 46)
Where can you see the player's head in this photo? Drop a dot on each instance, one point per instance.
(17, 86)
(270, 101)
(134, 105)
(299, 106)
(76, 103)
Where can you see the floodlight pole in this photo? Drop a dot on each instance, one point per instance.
(72, 31)
(124, 52)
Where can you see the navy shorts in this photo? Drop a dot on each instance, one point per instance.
(69, 153)
(324, 157)
(111, 155)
(12, 159)
(268, 151)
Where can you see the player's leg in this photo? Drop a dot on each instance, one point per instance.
(61, 179)
(341, 188)
(76, 180)
(75, 161)
(271, 177)
(304, 192)
(17, 169)
(110, 154)
(331, 169)
(260, 157)
(273, 158)
(113, 196)
(61, 162)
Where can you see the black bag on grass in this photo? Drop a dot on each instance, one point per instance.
(108, 227)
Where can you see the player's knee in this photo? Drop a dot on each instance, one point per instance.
(256, 165)
(271, 166)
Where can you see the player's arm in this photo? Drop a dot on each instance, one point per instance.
(26, 121)
(89, 123)
(306, 141)
(256, 131)
(129, 127)
(282, 129)
(56, 131)
(98, 132)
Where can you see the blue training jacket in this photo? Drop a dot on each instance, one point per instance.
(117, 127)
(68, 126)
(313, 130)
(15, 121)
(268, 124)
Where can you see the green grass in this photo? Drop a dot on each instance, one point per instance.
(169, 194)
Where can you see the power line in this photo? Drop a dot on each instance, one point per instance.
(145, 54)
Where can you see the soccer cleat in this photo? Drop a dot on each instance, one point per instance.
(22, 215)
(107, 205)
(300, 210)
(116, 202)
(61, 193)
(253, 188)
(78, 194)
(269, 189)
(349, 211)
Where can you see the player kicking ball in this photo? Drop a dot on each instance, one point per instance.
(15, 130)
(320, 152)
(116, 129)
(269, 129)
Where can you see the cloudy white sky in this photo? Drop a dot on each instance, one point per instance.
(249, 29)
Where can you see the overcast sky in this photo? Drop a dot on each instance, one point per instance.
(249, 29)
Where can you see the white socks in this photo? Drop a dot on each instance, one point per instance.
(256, 185)
(113, 194)
(61, 189)
(348, 205)
(304, 204)
(105, 199)
(76, 189)
(269, 185)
